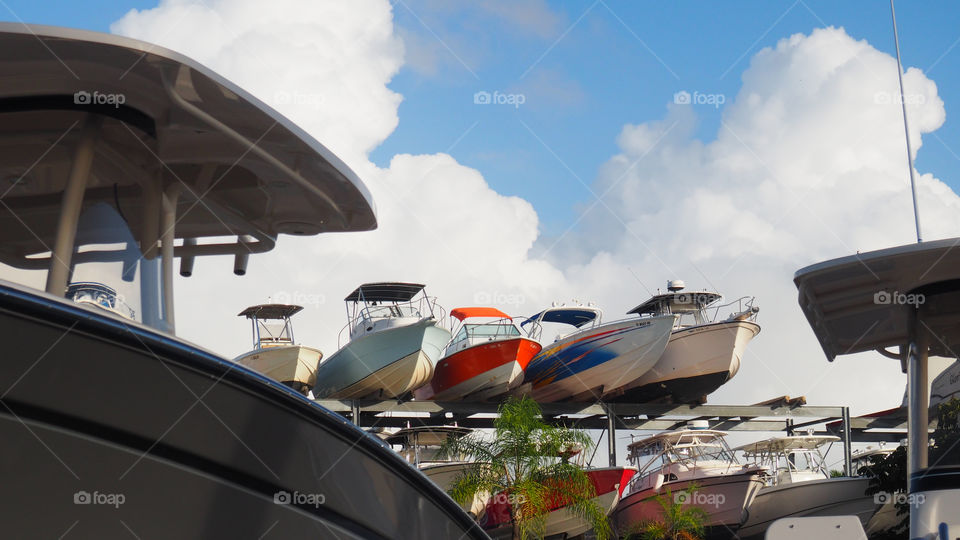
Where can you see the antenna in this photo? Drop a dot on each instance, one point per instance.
(906, 130)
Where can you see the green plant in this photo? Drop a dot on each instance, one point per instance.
(528, 462)
(679, 521)
(836, 474)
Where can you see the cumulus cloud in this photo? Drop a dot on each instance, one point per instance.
(808, 163)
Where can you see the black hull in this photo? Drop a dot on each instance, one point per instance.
(686, 390)
(198, 447)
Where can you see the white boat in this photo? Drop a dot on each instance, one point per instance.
(275, 353)
(595, 357)
(704, 351)
(886, 517)
(670, 462)
(799, 484)
(117, 157)
(944, 387)
(394, 344)
(421, 445)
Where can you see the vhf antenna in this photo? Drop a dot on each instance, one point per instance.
(906, 130)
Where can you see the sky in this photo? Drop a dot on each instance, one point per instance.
(523, 152)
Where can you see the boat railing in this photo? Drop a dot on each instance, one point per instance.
(742, 308)
(475, 333)
(424, 307)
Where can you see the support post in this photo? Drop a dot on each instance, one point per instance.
(611, 435)
(169, 220)
(355, 411)
(918, 398)
(847, 455)
(70, 206)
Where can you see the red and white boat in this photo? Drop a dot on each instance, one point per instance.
(484, 359)
(608, 482)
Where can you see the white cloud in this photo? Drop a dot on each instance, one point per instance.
(808, 164)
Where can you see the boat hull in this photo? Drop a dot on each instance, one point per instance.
(726, 499)
(127, 429)
(485, 370)
(294, 366)
(385, 364)
(585, 365)
(827, 497)
(696, 362)
(444, 475)
(608, 482)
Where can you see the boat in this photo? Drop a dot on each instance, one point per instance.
(886, 516)
(394, 344)
(421, 445)
(595, 357)
(704, 351)
(799, 484)
(670, 462)
(118, 157)
(483, 360)
(608, 482)
(945, 387)
(275, 353)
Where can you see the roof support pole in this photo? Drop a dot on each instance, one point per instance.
(355, 410)
(919, 400)
(611, 436)
(847, 464)
(169, 221)
(70, 207)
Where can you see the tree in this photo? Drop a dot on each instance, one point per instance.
(679, 522)
(528, 463)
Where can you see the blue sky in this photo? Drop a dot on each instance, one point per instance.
(587, 68)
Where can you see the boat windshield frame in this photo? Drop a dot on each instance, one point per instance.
(467, 332)
(784, 458)
(683, 447)
(535, 332)
(364, 310)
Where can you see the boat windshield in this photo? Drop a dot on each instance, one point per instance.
(107, 270)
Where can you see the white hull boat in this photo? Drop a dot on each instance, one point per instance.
(275, 354)
(393, 349)
(703, 352)
(595, 358)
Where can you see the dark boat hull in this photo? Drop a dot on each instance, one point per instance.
(110, 429)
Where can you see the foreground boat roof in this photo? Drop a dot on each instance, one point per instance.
(385, 292)
(158, 119)
(861, 302)
(787, 443)
(271, 311)
(676, 302)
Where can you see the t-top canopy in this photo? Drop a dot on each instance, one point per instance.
(157, 120)
(574, 316)
(676, 302)
(786, 444)
(866, 301)
(467, 312)
(704, 436)
(270, 311)
(426, 435)
(385, 292)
